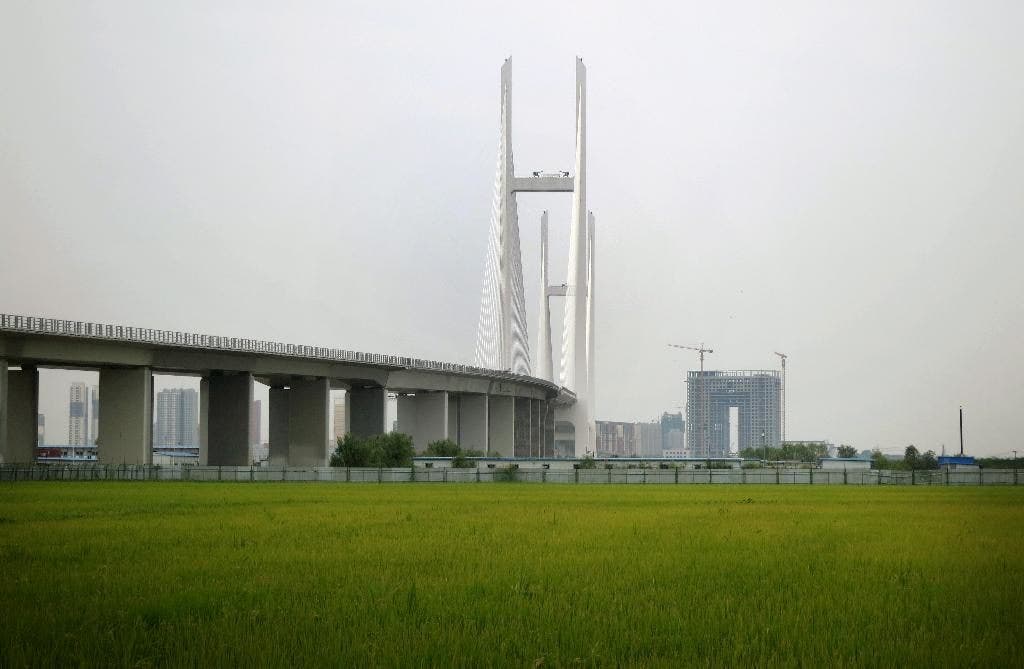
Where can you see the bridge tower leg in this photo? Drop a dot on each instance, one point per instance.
(501, 426)
(424, 417)
(19, 408)
(366, 411)
(230, 399)
(126, 421)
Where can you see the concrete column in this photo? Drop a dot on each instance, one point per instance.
(501, 426)
(522, 407)
(536, 428)
(424, 417)
(366, 411)
(279, 426)
(454, 421)
(21, 397)
(473, 422)
(230, 406)
(204, 421)
(309, 417)
(3, 410)
(126, 421)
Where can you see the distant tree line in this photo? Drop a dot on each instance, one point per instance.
(394, 450)
(793, 451)
(913, 459)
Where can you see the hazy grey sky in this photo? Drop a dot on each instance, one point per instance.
(840, 183)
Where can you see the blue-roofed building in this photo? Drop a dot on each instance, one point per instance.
(958, 463)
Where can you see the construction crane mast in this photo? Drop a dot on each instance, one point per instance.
(783, 356)
(704, 395)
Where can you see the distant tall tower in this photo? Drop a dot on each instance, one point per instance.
(502, 332)
(78, 414)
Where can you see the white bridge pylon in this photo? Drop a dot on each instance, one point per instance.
(502, 334)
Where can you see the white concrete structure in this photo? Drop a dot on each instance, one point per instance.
(502, 332)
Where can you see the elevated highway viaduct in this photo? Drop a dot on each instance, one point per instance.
(481, 409)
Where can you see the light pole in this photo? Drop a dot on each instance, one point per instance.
(764, 442)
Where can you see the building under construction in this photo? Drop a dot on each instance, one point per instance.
(756, 395)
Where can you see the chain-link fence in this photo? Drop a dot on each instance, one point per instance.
(100, 472)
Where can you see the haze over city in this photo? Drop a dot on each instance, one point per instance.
(838, 183)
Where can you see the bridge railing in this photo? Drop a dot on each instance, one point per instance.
(54, 326)
(100, 472)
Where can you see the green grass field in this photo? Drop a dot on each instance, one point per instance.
(212, 574)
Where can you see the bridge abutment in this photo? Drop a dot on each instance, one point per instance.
(126, 419)
(229, 409)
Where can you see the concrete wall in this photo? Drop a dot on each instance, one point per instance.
(126, 417)
(230, 406)
(3, 410)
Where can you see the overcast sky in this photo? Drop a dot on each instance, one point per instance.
(842, 182)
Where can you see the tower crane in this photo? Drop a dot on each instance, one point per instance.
(704, 395)
(782, 357)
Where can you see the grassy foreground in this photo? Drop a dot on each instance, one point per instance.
(509, 574)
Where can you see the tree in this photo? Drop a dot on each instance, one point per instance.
(351, 452)
(381, 450)
(444, 448)
(879, 461)
(847, 451)
(928, 461)
(911, 457)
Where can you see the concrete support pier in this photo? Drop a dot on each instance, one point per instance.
(309, 416)
(19, 407)
(279, 426)
(126, 421)
(229, 409)
(366, 411)
(424, 417)
(471, 429)
(501, 426)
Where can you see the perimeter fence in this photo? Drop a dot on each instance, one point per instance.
(100, 472)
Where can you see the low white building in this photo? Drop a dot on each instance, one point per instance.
(844, 463)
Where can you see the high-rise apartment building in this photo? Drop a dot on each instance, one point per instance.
(40, 430)
(78, 414)
(672, 431)
(177, 418)
(339, 419)
(756, 397)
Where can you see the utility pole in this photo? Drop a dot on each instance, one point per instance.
(961, 429)
(783, 356)
(704, 396)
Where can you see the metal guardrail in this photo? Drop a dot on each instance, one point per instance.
(98, 472)
(82, 329)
